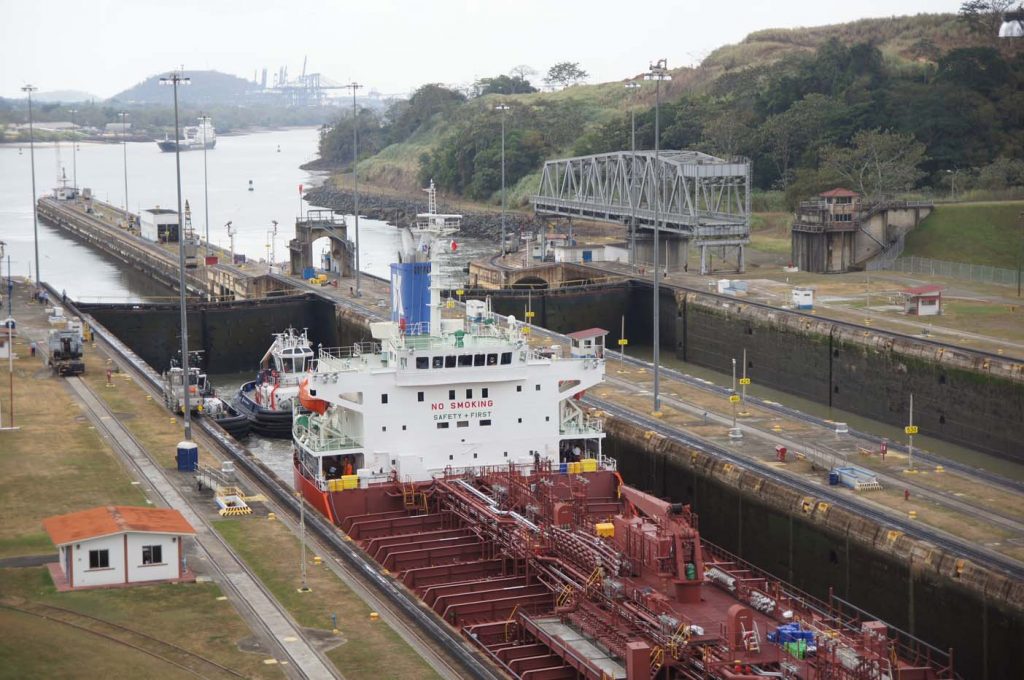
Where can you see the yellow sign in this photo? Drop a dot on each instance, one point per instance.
(910, 429)
(531, 314)
(735, 398)
(460, 292)
(744, 381)
(623, 342)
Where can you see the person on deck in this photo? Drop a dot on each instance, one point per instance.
(347, 469)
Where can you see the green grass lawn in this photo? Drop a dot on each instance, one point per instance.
(273, 553)
(977, 233)
(189, 615)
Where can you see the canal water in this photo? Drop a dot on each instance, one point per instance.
(270, 160)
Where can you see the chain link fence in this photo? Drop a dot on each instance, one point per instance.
(956, 270)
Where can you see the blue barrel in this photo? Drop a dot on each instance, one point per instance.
(563, 467)
(833, 478)
(308, 273)
(187, 456)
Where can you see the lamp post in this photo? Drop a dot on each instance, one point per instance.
(632, 86)
(74, 150)
(124, 146)
(231, 236)
(174, 79)
(272, 244)
(355, 174)
(657, 72)
(204, 121)
(503, 108)
(29, 89)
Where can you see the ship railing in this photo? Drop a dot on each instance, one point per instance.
(836, 620)
(320, 438)
(350, 351)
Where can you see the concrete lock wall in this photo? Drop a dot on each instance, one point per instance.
(232, 335)
(908, 583)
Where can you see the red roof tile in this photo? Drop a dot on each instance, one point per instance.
(932, 289)
(104, 521)
(839, 192)
(589, 333)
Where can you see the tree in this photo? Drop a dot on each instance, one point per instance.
(878, 163)
(502, 85)
(523, 72)
(407, 117)
(984, 16)
(564, 74)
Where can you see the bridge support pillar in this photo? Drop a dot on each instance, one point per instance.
(674, 251)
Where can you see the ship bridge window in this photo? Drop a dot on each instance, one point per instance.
(479, 359)
(465, 360)
(506, 358)
(449, 361)
(422, 362)
(492, 359)
(451, 394)
(438, 362)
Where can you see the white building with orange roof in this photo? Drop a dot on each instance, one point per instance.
(118, 545)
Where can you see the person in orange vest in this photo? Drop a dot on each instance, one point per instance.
(347, 469)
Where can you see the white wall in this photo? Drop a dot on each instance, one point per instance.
(99, 577)
(152, 572)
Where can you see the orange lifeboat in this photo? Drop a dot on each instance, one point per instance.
(318, 406)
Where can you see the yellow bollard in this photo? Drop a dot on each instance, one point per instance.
(912, 514)
(317, 559)
(374, 616)
(271, 516)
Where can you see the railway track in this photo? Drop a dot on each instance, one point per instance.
(212, 545)
(939, 538)
(443, 647)
(168, 652)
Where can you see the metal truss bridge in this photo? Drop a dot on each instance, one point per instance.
(700, 198)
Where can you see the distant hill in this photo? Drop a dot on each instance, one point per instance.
(205, 89)
(66, 96)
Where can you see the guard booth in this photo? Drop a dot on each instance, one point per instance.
(588, 343)
(923, 301)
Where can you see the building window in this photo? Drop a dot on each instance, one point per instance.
(484, 393)
(99, 559)
(449, 361)
(485, 423)
(383, 398)
(152, 554)
(479, 359)
(422, 362)
(537, 387)
(547, 419)
(519, 388)
(465, 360)
(383, 428)
(469, 394)
(438, 362)
(506, 358)
(462, 423)
(442, 426)
(520, 420)
(419, 396)
(451, 394)
(403, 428)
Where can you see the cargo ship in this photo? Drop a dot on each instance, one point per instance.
(463, 461)
(193, 137)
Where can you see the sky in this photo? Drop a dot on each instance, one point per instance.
(391, 46)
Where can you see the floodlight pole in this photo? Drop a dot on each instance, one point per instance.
(32, 155)
(74, 151)
(124, 147)
(174, 79)
(355, 175)
(204, 120)
(657, 72)
(503, 108)
(633, 86)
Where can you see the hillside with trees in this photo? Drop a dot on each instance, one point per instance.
(886, 106)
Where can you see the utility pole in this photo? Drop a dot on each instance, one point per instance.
(503, 108)
(911, 430)
(355, 175)
(174, 79)
(124, 147)
(32, 155)
(204, 121)
(633, 86)
(74, 151)
(657, 72)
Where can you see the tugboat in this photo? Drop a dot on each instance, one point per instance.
(193, 137)
(460, 458)
(203, 400)
(268, 401)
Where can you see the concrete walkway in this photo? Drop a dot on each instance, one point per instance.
(253, 601)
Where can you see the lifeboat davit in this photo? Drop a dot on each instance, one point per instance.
(318, 406)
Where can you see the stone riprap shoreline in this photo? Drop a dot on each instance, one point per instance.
(401, 212)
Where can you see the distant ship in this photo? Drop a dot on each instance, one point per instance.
(193, 137)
